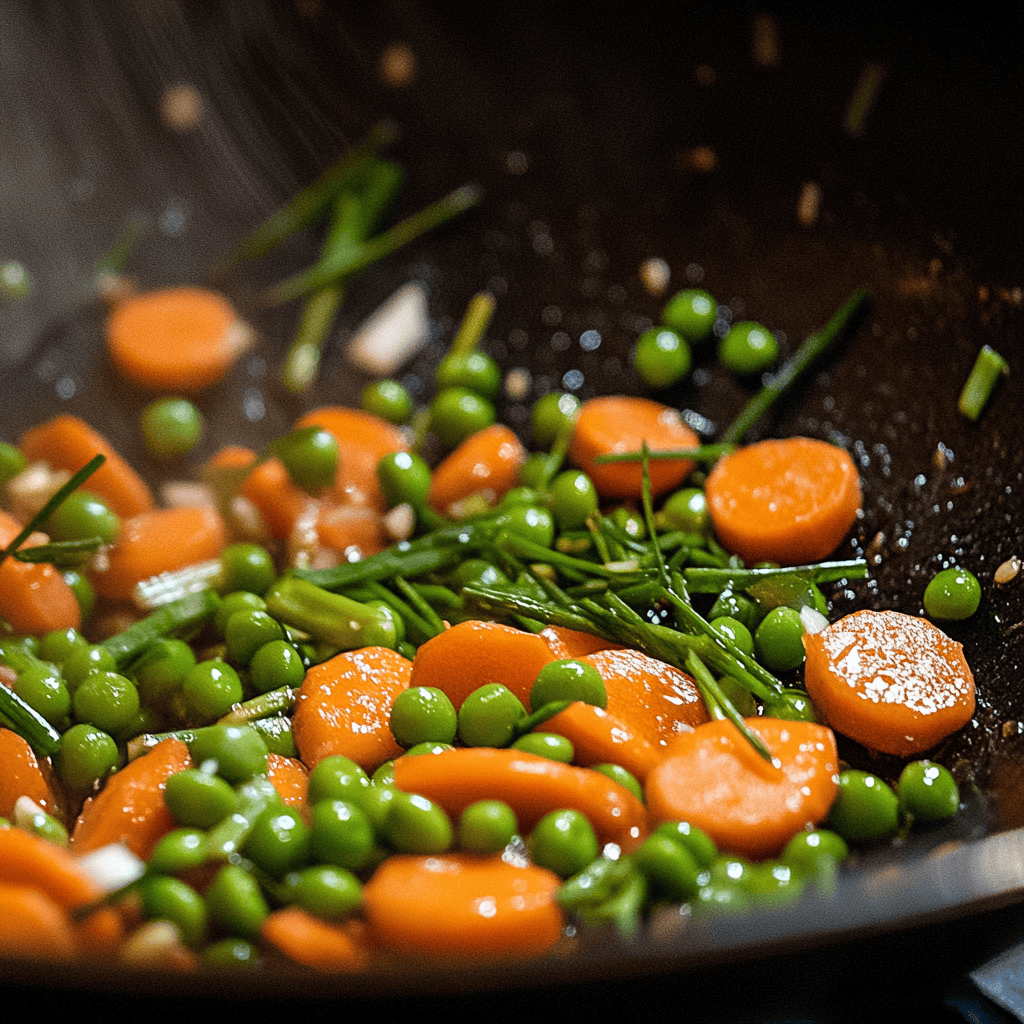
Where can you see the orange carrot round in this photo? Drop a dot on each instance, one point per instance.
(33, 925)
(571, 643)
(531, 785)
(893, 682)
(159, 541)
(290, 778)
(344, 707)
(130, 809)
(68, 443)
(619, 423)
(349, 528)
(23, 774)
(714, 779)
(34, 599)
(789, 501)
(486, 463)
(464, 906)
(175, 339)
(281, 503)
(472, 654)
(311, 941)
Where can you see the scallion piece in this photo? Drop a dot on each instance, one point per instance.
(988, 368)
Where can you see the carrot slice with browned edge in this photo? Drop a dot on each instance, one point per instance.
(363, 440)
(175, 339)
(155, 542)
(474, 653)
(23, 774)
(531, 785)
(34, 599)
(344, 707)
(715, 779)
(68, 443)
(316, 943)
(487, 463)
(33, 925)
(130, 808)
(615, 424)
(893, 682)
(463, 906)
(789, 501)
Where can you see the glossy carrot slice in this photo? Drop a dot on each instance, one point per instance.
(316, 943)
(486, 463)
(24, 774)
(571, 643)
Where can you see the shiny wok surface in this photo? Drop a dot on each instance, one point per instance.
(601, 141)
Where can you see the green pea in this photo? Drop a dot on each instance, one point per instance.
(239, 751)
(423, 714)
(740, 607)
(791, 705)
(428, 747)
(521, 495)
(404, 477)
(629, 522)
(952, 594)
(810, 851)
(550, 414)
(687, 510)
(691, 312)
(245, 632)
(564, 842)
(623, 777)
(456, 413)
(279, 841)
(310, 454)
(476, 570)
(59, 643)
(12, 462)
(42, 688)
(735, 632)
(534, 472)
(161, 669)
(738, 695)
(171, 427)
(375, 802)
(573, 499)
(84, 660)
(568, 679)
(337, 777)
(487, 826)
(86, 756)
(695, 840)
(748, 348)
(231, 952)
(669, 866)
(170, 899)
(247, 567)
(865, 808)
(197, 798)
(928, 792)
(83, 591)
(662, 357)
(488, 716)
(81, 516)
(776, 882)
(107, 700)
(532, 522)
(415, 824)
(546, 744)
(778, 640)
(474, 370)
(327, 891)
(234, 901)
(275, 665)
(236, 601)
(340, 834)
(387, 399)
(211, 690)
(179, 850)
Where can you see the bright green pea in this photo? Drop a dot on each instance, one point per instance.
(573, 499)
(662, 357)
(107, 700)
(231, 952)
(340, 834)
(234, 901)
(247, 567)
(58, 644)
(564, 842)
(327, 891)
(197, 798)
(488, 716)
(865, 807)
(428, 747)
(928, 792)
(550, 414)
(623, 777)
(86, 756)
(279, 841)
(337, 777)
(239, 751)
(310, 454)
(84, 660)
(691, 312)
(245, 632)
(387, 399)
(776, 882)
(791, 705)
(687, 510)
(568, 679)
(778, 640)
(748, 348)
(695, 840)
(532, 522)
(83, 515)
(740, 607)
(474, 370)
(671, 868)
(811, 851)
(211, 690)
(952, 594)
(12, 462)
(456, 413)
(236, 601)
(170, 899)
(487, 826)
(423, 714)
(178, 851)
(171, 427)
(415, 824)
(276, 664)
(476, 570)
(546, 744)
(161, 669)
(735, 632)
(404, 477)
(42, 688)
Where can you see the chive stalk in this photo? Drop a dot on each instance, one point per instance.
(984, 375)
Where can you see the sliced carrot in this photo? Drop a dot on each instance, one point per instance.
(23, 774)
(463, 906)
(33, 925)
(893, 682)
(290, 778)
(344, 707)
(230, 456)
(571, 643)
(159, 541)
(34, 599)
(68, 443)
(655, 701)
(789, 501)
(130, 809)
(311, 941)
(26, 859)
(472, 654)
(714, 779)
(175, 339)
(531, 785)
(351, 529)
(280, 502)
(487, 463)
(363, 440)
(598, 737)
(615, 424)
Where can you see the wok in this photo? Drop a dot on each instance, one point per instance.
(780, 160)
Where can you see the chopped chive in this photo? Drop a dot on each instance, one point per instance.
(474, 323)
(705, 453)
(984, 375)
